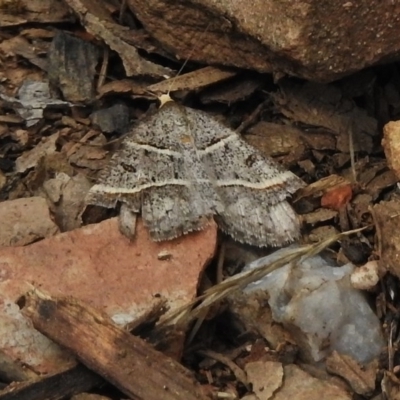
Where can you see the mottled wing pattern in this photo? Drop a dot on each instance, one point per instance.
(260, 224)
(180, 167)
(157, 172)
(252, 188)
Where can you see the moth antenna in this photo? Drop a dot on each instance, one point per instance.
(165, 98)
(150, 93)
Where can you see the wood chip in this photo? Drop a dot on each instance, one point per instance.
(55, 386)
(361, 378)
(95, 19)
(126, 361)
(193, 80)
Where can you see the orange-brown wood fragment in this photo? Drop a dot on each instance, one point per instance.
(337, 197)
(126, 361)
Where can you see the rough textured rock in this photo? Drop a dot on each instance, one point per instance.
(316, 40)
(386, 217)
(391, 145)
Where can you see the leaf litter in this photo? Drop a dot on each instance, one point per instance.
(329, 125)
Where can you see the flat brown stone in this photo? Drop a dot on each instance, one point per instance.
(102, 267)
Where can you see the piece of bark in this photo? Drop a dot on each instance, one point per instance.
(380, 183)
(126, 361)
(98, 22)
(322, 233)
(72, 67)
(324, 106)
(361, 378)
(234, 90)
(125, 86)
(318, 216)
(319, 139)
(320, 187)
(53, 387)
(30, 159)
(19, 45)
(254, 313)
(283, 142)
(193, 80)
(39, 11)
(24, 221)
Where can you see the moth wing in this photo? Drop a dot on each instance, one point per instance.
(252, 188)
(184, 201)
(249, 218)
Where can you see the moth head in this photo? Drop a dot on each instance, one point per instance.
(164, 99)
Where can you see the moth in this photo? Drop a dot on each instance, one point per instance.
(180, 167)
